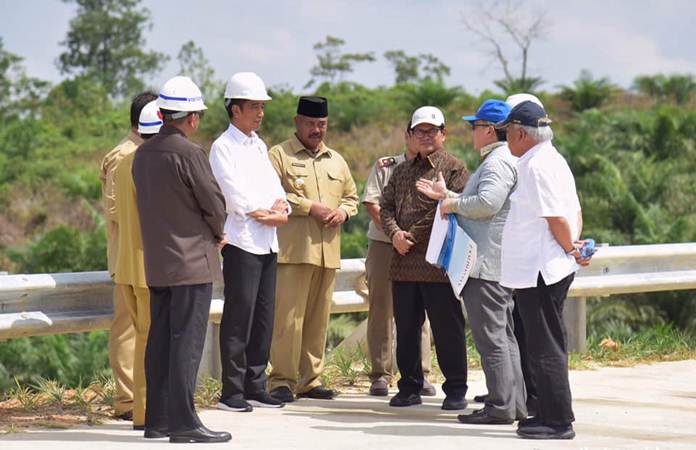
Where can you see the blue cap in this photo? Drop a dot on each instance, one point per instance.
(491, 111)
(527, 113)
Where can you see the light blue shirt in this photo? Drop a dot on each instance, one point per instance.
(483, 206)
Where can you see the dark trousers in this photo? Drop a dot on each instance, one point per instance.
(411, 301)
(179, 319)
(246, 327)
(524, 359)
(541, 309)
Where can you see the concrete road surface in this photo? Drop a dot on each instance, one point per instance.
(644, 407)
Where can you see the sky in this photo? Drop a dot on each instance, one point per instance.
(619, 39)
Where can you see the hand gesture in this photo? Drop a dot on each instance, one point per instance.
(435, 189)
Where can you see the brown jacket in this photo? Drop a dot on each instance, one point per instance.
(306, 178)
(404, 208)
(182, 211)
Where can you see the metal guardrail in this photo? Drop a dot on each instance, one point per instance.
(40, 304)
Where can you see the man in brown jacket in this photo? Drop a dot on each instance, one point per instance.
(322, 194)
(182, 214)
(407, 218)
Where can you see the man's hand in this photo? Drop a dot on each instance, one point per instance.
(578, 256)
(281, 205)
(273, 218)
(447, 207)
(223, 242)
(435, 189)
(335, 218)
(319, 211)
(402, 242)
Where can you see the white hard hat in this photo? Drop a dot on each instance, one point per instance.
(516, 99)
(247, 86)
(150, 119)
(180, 94)
(427, 114)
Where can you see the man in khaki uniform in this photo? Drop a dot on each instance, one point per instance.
(322, 194)
(130, 267)
(122, 333)
(380, 317)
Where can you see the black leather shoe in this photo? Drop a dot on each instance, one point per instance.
(283, 393)
(453, 403)
(128, 415)
(319, 393)
(481, 417)
(401, 400)
(428, 390)
(481, 398)
(263, 400)
(541, 431)
(156, 433)
(529, 421)
(200, 434)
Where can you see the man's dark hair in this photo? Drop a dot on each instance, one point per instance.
(501, 134)
(137, 105)
(229, 102)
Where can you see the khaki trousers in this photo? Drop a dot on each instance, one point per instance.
(303, 304)
(380, 316)
(121, 350)
(137, 302)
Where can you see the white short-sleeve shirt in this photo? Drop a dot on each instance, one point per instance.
(545, 188)
(248, 181)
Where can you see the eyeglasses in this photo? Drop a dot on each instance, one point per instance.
(420, 133)
(475, 125)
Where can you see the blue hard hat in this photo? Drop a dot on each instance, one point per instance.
(493, 111)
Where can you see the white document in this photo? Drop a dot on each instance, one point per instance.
(452, 249)
(437, 237)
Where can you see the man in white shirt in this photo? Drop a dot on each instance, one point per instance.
(539, 257)
(256, 205)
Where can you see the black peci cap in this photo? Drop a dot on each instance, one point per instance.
(313, 106)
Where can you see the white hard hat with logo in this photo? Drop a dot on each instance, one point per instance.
(246, 86)
(516, 99)
(150, 119)
(427, 114)
(180, 94)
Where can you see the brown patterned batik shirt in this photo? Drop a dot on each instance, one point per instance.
(404, 208)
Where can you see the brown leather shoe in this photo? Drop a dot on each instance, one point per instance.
(379, 388)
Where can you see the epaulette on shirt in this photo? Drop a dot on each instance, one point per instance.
(387, 161)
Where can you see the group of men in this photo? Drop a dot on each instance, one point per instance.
(275, 217)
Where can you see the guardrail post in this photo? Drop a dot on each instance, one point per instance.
(575, 319)
(210, 360)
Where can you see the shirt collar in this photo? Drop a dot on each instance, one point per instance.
(487, 149)
(135, 138)
(298, 146)
(239, 137)
(534, 150)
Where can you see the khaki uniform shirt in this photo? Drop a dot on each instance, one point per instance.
(306, 178)
(374, 187)
(130, 267)
(181, 208)
(404, 208)
(106, 176)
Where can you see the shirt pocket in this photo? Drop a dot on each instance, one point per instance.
(296, 178)
(335, 183)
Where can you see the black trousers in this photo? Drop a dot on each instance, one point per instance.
(246, 327)
(179, 319)
(541, 309)
(411, 301)
(524, 358)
